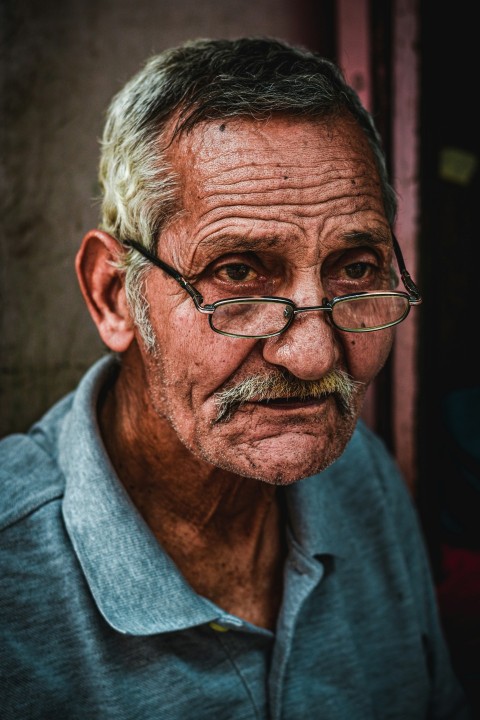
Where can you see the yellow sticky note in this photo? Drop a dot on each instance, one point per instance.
(457, 166)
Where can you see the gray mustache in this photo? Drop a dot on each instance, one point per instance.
(285, 385)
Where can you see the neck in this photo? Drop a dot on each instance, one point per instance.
(222, 530)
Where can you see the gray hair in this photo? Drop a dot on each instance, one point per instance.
(198, 81)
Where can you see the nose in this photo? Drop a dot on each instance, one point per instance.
(308, 349)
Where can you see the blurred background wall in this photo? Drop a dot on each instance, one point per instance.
(61, 62)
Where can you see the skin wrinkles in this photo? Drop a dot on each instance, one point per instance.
(226, 239)
(220, 241)
(293, 231)
(215, 196)
(248, 171)
(311, 175)
(184, 473)
(266, 196)
(286, 176)
(286, 350)
(299, 263)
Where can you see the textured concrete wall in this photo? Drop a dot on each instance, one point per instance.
(60, 64)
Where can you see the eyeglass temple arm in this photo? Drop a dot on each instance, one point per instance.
(194, 294)
(414, 292)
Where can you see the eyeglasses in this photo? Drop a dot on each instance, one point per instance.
(265, 316)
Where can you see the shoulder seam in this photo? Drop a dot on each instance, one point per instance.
(24, 512)
(29, 478)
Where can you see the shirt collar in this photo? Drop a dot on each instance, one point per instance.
(136, 586)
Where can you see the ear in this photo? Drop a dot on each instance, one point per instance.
(103, 289)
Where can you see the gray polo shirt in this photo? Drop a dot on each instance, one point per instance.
(96, 621)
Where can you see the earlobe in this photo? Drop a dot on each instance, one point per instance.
(103, 289)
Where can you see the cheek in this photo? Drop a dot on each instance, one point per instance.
(198, 359)
(367, 353)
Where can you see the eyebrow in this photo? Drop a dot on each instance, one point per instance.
(371, 238)
(238, 243)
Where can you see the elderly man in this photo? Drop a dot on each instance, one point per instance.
(205, 528)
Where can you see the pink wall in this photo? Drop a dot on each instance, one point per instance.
(354, 56)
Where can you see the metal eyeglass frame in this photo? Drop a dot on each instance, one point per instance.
(412, 295)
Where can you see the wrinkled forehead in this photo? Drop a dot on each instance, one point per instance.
(282, 177)
(279, 139)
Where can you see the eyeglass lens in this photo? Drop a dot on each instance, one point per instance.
(251, 317)
(370, 312)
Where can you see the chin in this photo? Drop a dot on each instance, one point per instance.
(282, 474)
(283, 459)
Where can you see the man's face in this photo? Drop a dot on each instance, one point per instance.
(282, 207)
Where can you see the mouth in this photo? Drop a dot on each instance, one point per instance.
(290, 403)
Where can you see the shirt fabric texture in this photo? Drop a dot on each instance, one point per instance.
(97, 622)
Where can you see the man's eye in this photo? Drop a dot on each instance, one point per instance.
(237, 272)
(358, 270)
